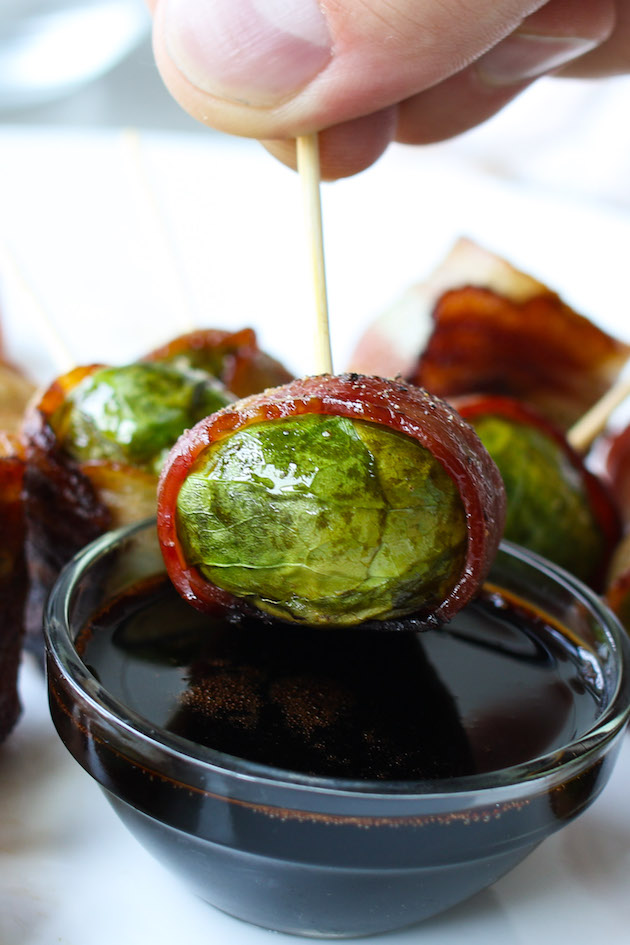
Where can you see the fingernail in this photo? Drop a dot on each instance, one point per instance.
(525, 56)
(258, 52)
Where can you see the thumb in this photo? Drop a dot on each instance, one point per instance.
(273, 68)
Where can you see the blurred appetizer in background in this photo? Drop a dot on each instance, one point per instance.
(131, 415)
(477, 325)
(555, 505)
(234, 358)
(616, 451)
(15, 391)
(96, 439)
(331, 501)
(522, 367)
(13, 578)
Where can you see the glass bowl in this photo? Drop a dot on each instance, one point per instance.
(327, 854)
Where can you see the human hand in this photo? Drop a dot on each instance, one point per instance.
(364, 73)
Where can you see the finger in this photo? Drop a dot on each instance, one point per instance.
(276, 69)
(556, 33)
(613, 56)
(559, 32)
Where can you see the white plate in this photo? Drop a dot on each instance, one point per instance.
(124, 247)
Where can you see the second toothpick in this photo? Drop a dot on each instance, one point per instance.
(308, 167)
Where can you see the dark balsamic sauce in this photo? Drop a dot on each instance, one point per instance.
(495, 687)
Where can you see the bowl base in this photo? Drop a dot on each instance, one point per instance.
(307, 899)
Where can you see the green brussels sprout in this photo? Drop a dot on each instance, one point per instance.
(134, 414)
(324, 520)
(548, 507)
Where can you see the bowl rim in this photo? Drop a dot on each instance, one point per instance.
(559, 765)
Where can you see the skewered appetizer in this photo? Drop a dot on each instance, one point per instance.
(331, 501)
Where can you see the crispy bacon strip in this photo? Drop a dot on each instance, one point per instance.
(233, 357)
(478, 325)
(391, 345)
(13, 579)
(539, 351)
(398, 406)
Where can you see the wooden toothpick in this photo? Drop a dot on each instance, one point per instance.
(308, 168)
(594, 421)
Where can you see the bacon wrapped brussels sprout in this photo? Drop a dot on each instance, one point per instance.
(15, 392)
(94, 443)
(231, 356)
(97, 437)
(555, 506)
(13, 578)
(613, 454)
(133, 414)
(331, 501)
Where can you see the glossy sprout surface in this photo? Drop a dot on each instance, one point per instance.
(548, 509)
(134, 414)
(323, 520)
